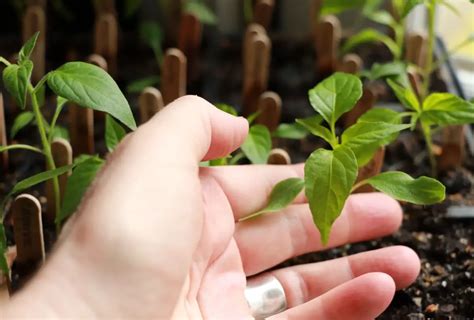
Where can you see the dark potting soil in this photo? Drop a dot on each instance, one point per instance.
(445, 287)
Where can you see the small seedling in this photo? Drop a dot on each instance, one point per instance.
(80, 83)
(330, 175)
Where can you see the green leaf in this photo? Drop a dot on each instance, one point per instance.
(386, 70)
(137, 86)
(151, 34)
(258, 144)
(77, 185)
(131, 7)
(318, 130)
(227, 108)
(89, 86)
(369, 36)
(201, 11)
(21, 121)
(329, 177)
(290, 131)
(364, 138)
(39, 178)
(382, 115)
(16, 79)
(3, 250)
(405, 95)
(60, 132)
(338, 6)
(382, 17)
(335, 96)
(447, 109)
(401, 186)
(408, 6)
(218, 162)
(27, 49)
(114, 132)
(281, 196)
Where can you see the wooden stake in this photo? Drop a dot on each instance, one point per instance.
(173, 75)
(371, 169)
(279, 156)
(269, 106)
(62, 155)
(415, 81)
(35, 20)
(189, 41)
(415, 49)
(105, 6)
(150, 102)
(81, 122)
(255, 78)
(98, 60)
(366, 102)
(452, 154)
(327, 45)
(28, 230)
(262, 12)
(252, 30)
(106, 40)
(351, 63)
(3, 136)
(315, 13)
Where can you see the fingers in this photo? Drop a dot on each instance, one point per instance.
(248, 187)
(305, 282)
(276, 237)
(364, 297)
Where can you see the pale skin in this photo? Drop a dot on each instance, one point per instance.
(158, 237)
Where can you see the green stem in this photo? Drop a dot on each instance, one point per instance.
(429, 147)
(399, 30)
(20, 146)
(431, 10)
(46, 146)
(5, 61)
(358, 185)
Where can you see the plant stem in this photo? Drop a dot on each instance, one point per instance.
(431, 10)
(429, 147)
(5, 61)
(46, 146)
(20, 146)
(358, 185)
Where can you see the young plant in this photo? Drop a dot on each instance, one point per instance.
(81, 83)
(330, 175)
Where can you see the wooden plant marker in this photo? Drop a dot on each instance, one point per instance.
(256, 70)
(106, 40)
(150, 102)
(366, 102)
(327, 45)
(371, 169)
(189, 41)
(81, 127)
(252, 30)
(35, 20)
(41, 3)
(279, 156)
(105, 6)
(28, 230)
(269, 106)
(98, 60)
(415, 81)
(415, 49)
(263, 11)
(62, 155)
(351, 63)
(452, 154)
(173, 75)
(3, 136)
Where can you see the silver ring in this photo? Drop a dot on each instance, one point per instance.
(265, 296)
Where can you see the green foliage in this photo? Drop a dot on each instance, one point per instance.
(318, 130)
(402, 187)
(290, 131)
(16, 79)
(77, 184)
(258, 144)
(369, 36)
(114, 133)
(446, 109)
(335, 96)
(27, 49)
(227, 108)
(3, 250)
(281, 196)
(139, 85)
(329, 177)
(201, 11)
(90, 86)
(405, 95)
(21, 121)
(151, 34)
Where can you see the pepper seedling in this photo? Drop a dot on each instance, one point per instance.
(81, 83)
(330, 175)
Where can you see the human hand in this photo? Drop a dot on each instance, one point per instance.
(158, 237)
